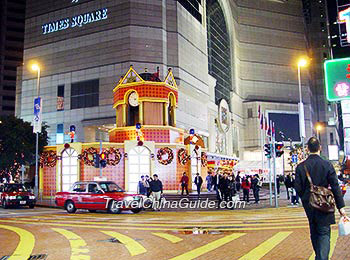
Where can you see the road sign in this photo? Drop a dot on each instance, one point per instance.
(337, 79)
(37, 115)
(294, 158)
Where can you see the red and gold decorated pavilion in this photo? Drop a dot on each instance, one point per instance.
(156, 146)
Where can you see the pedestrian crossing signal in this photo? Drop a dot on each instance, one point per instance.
(278, 148)
(267, 148)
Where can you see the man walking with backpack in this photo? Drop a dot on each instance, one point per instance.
(315, 171)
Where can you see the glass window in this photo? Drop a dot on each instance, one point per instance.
(69, 168)
(139, 164)
(93, 188)
(85, 94)
(219, 52)
(79, 187)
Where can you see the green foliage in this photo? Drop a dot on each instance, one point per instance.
(17, 143)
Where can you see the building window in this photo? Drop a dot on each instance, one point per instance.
(10, 98)
(8, 108)
(193, 7)
(331, 137)
(250, 113)
(69, 168)
(8, 87)
(60, 97)
(85, 94)
(219, 52)
(59, 134)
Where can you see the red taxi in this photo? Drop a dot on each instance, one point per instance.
(16, 194)
(98, 195)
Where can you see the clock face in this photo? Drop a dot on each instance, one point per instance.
(133, 99)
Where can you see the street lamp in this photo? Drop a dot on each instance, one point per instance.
(35, 67)
(319, 128)
(301, 63)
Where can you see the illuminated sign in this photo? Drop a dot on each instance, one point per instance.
(337, 79)
(343, 7)
(75, 21)
(344, 17)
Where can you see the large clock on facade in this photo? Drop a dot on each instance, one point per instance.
(133, 99)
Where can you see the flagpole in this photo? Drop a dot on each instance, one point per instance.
(270, 170)
(274, 163)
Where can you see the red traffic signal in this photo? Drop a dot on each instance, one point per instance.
(278, 148)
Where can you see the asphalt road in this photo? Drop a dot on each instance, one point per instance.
(268, 234)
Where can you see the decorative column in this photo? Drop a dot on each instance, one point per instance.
(124, 114)
(166, 113)
(141, 113)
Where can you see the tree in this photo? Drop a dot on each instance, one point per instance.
(17, 144)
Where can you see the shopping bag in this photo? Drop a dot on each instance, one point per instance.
(344, 226)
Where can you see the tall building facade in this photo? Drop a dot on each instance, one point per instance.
(228, 57)
(12, 17)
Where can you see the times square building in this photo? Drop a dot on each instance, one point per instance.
(225, 54)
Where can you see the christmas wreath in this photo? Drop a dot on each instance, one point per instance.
(85, 156)
(204, 159)
(115, 153)
(165, 151)
(48, 159)
(183, 156)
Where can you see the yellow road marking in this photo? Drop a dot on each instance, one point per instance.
(208, 247)
(25, 245)
(78, 245)
(333, 242)
(155, 228)
(171, 238)
(262, 249)
(134, 247)
(167, 225)
(184, 223)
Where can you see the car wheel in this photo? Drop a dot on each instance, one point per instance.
(32, 206)
(136, 210)
(113, 207)
(70, 207)
(92, 210)
(4, 204)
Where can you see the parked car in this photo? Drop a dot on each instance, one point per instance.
(16, 194)
(98, 195)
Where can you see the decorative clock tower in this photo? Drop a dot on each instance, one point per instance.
(145, 99)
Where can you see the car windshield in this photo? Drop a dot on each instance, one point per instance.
(15, 188)
(110, 187)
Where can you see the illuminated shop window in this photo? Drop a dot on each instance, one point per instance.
(69, 168)
(139, 164)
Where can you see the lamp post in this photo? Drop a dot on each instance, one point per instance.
(35, 67)
(301, 63)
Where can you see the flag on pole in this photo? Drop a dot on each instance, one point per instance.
(266, 127)
(259, 113)
(262, 122)
(273, 129)
(269, 132)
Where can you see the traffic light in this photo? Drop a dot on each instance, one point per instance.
(278, 148)
(267, 150)
(96, 160)
(103, 161)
